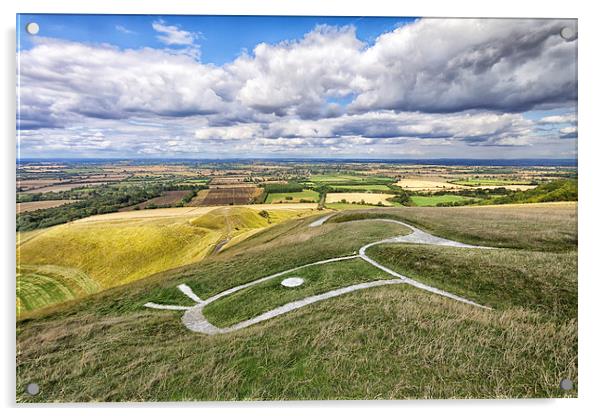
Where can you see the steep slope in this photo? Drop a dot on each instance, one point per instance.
(112, 250)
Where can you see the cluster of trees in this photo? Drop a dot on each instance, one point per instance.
(402, 197)
(559, 190)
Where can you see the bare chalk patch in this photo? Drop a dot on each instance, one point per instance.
(292, 282)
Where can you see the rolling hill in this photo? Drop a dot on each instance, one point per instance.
(381, 343)
(114, 249)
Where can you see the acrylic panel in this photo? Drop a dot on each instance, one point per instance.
(216, 208)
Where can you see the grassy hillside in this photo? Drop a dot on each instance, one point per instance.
(118, 249)
(40, 286)
(388, 342)
(541, 227)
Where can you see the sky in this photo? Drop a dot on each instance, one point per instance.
(129, 86)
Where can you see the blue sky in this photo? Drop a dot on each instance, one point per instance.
(222, 37)
(278, 86)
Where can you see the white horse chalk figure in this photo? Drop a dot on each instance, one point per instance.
(194, 319)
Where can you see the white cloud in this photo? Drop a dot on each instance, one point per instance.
(560, 119)
(124, 30)
(172, 35)
(435, 83)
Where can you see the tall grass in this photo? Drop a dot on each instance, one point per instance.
(391, 342)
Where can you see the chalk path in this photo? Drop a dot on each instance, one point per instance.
(194, 319)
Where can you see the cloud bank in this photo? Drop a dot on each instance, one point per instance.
(435, 85)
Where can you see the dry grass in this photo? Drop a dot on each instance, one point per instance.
(358, 197)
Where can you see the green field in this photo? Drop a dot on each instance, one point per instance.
(431, 201)
(382, 343)
(356, 188)
(306, 194)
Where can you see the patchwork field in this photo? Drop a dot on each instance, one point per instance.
(369, 344)
(358, 197)
(36, 205)
(225, 195)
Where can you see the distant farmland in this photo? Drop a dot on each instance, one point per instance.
(431, 201)
(230, 195)
(358, 197)
(363, 187)
(305, 195)
(63, 187)
(36, 205)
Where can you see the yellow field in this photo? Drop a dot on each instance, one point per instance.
(121, 247)
(34, 206)
(63, 187)
(427, 185)
(357, 197)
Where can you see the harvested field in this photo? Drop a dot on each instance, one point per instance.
(28, 185)
(231, 195)
(36, 205)
(427, 185)
(197, 201)
(63, 187)
(358, 197)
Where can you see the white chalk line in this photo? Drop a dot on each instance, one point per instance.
(194, 319)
